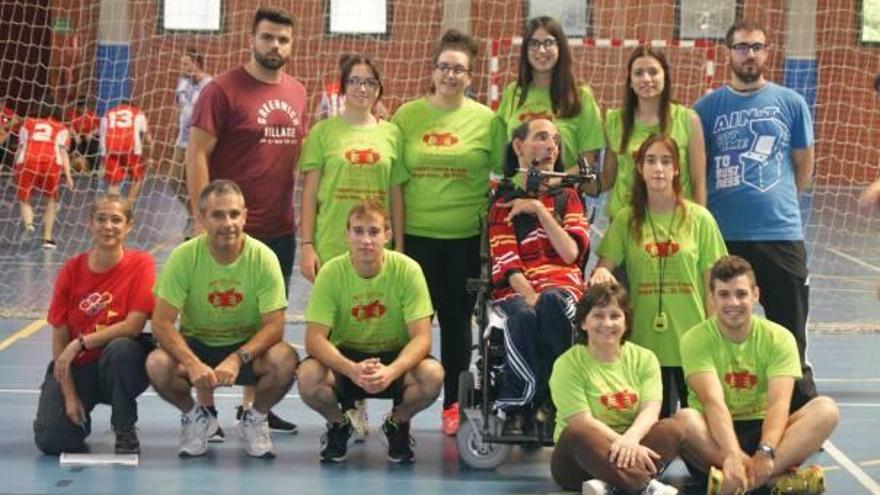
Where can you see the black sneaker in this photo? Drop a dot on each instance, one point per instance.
(335, 441)
(127, 441)
(280, 425)
(399, 441)
(514, 425)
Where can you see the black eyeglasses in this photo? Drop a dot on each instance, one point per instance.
(745, 48)
(456, 70)
(356, 82)
(547, 43)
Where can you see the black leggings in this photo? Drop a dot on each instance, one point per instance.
(447, 263)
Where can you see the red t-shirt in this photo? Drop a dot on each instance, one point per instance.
(84, 123)
(259, 129)
(87, 302)
(42, 140)
(122, 130)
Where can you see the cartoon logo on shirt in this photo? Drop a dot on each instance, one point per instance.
(95, 302)
(368, 156)
(368, 311)
(543, 114)
(741, 380)
(665, 249)
(619, 401)
(440, 139)
(227, 299)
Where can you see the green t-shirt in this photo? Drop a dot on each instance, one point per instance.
(369, 314)
(221, 304)
(580, 133)
(743, 369)
(612, 392)
(679, 129)
(695, 245)
(356, 163)
(447, 157)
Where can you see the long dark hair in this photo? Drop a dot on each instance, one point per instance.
(564, 95)
(639, 197)
(601, 295)
(631, 100)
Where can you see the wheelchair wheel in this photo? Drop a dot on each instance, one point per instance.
(474, 451)
(465, 390)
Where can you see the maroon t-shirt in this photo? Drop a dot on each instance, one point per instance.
(259, 129)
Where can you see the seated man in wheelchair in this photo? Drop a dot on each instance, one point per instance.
(538, 238)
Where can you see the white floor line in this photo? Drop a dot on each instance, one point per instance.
(853, 259)
(852, 467)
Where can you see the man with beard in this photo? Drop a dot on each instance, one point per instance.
(247, 126)
(759, 148)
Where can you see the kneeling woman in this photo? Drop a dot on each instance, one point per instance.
(607, 394)
(102, 299)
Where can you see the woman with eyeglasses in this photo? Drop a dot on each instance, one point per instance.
(101, 301)
(647, 109)
(546, 88)
(668, 244)
(346, 159)
(448, 155)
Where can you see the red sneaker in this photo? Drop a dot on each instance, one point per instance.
(450, 419)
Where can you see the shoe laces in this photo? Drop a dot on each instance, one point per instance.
(398, 432)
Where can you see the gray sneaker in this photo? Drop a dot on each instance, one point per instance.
(215, 432)
(595, 487)
(194, 432)
(254, 431)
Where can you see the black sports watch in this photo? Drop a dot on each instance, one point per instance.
(767, 450)
(245, 356)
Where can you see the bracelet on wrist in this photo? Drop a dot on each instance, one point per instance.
(306, 243)
(82, 343)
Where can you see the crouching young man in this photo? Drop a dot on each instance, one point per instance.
(741, 369)
(368, 334)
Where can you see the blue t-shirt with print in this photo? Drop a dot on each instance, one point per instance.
(750, 176)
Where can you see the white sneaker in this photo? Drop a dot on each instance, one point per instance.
(359, 421)
(194, 432)
(595, 487)
(215, 432)
(657, 488)
(254, 431)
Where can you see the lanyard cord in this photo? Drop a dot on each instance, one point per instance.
(662, 261)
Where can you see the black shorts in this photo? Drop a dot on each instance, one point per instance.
(347, 391)
(748, 433)
(214, 355)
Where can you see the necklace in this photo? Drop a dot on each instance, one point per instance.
(661, 322)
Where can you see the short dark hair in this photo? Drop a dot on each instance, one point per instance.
(743, 25)
(274, 15)
(728, 268)
(196, 56)
(218, 187)
(347, 62)
(523, 131)
(123, 203)
(369, 207)
(601, 295)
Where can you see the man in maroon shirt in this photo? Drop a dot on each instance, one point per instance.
(247, 126)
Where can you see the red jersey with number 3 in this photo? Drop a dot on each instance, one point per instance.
(122, 130)
(42, 141)
(85, 301)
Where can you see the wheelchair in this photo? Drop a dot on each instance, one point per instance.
(482, 443)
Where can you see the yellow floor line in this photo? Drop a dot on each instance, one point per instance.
(29, 329)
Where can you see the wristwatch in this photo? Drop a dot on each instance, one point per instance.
(767, 450)
(245, 356)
